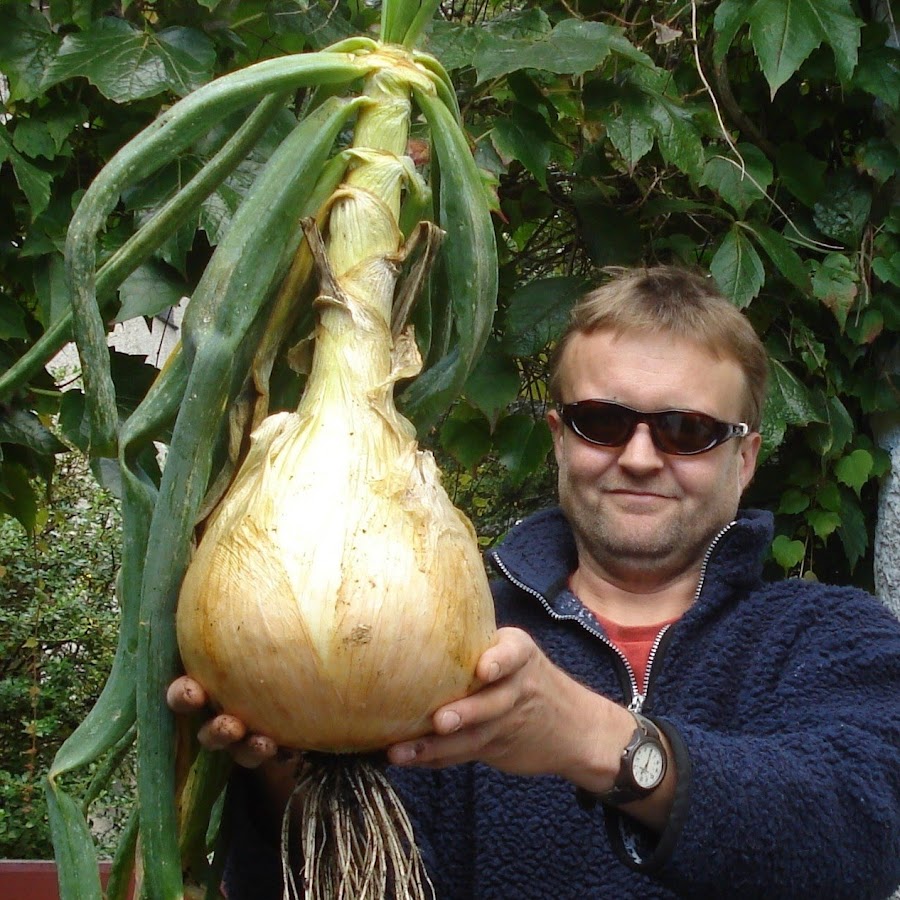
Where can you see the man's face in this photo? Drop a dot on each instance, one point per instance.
(641, 515)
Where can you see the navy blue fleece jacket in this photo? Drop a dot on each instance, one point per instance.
(782, 704)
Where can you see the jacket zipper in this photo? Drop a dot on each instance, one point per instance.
(636, 704)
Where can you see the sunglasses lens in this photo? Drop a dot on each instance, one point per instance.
(601, 423)
(685, 432)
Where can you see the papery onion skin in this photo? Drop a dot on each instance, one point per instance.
(338, 597)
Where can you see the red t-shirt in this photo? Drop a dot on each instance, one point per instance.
(636, 642)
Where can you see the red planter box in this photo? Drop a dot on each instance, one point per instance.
(28, 879)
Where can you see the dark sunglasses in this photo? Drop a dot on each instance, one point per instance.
(677, 431)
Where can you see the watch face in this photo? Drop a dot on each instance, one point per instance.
(647, 765)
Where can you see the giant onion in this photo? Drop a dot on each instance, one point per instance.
(337, 597)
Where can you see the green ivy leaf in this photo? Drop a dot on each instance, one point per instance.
(678, 137)
(730, 16)
(878, 73)
(466, 435)
(538, 312)
(782, 41)
(787, 553)
(879, 158)
(888, 268)
(782, 254)
(174, 250)
(854, 470)
(218, 209)
(842, 31)
(146, 198)
(881, 462)
(148, 291)
(890, 307)
(792, 502)
(843, 210)
(19, 426)
(573, 47)
(125, 63)
(833, 435)
(828, 496)
(52, 290)
(494, 382)
(520, 24)
(823, 522)
(737, 268)
(17, 498)
(805, 343)
(73, 423)
(525, 137)
(801, 173)
(32, 138)
(300, 24)
(27, 46)
(867, 327)
(738, 187)
(133, 378)
(853, 531)
(522, 444)
(77, 12)
(785, 32)
(834, 282)
(453, 43)
(34, 182)
(631, 131)
(12, 321)
(788, 402)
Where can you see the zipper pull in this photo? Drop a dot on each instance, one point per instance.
(637, 703)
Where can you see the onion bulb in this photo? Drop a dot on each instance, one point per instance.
(337, 596)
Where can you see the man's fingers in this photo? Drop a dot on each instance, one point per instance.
(487, 705)
(185, 695)
(221, 731)
(512, 649)
(254, 750)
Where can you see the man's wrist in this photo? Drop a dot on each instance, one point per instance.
(642, 765)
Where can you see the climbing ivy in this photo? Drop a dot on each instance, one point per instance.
(757, 139)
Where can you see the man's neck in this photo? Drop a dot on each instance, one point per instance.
(646, 604)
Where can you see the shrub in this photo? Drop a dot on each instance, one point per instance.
(58, 630)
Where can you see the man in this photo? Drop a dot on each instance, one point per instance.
(656, 721)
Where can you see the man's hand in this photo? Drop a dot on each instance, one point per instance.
(529, 718)
(221, 732)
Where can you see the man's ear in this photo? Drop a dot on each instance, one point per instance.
(749, 453)
(556, 431)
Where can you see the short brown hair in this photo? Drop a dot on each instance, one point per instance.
(677, 301)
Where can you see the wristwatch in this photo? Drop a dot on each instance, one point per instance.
(641, 770)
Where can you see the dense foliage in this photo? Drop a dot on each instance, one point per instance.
(757, 138)
(58, 629)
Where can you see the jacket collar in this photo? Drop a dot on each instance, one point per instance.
(539, 552)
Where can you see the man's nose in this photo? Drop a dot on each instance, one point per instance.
(640, 454)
